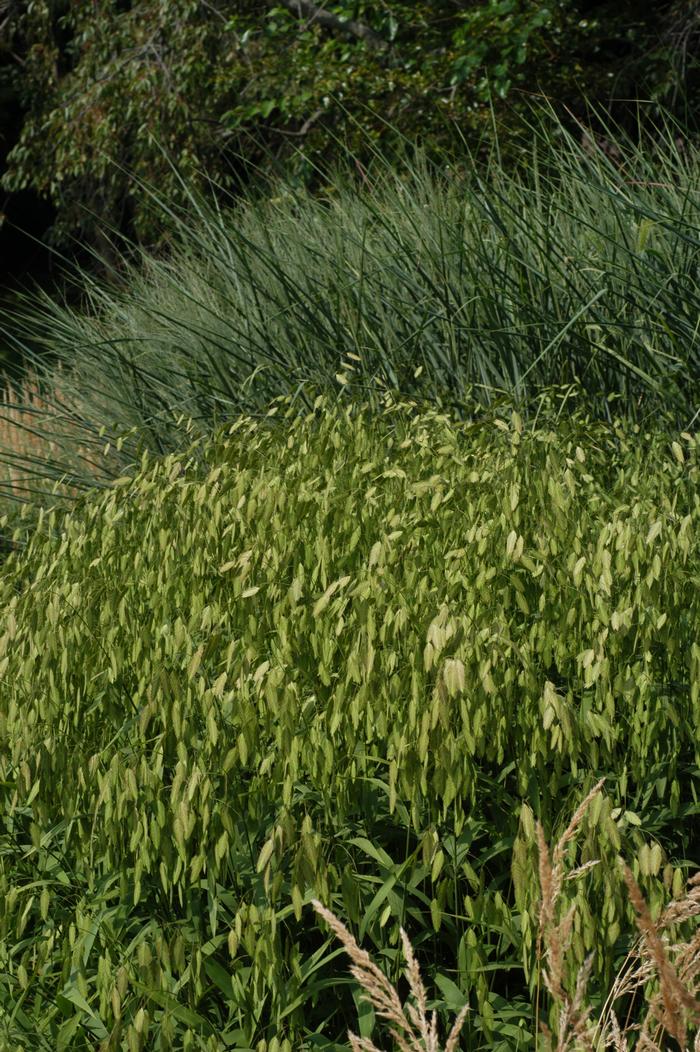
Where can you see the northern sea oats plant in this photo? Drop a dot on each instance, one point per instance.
(225, 708)
(407, 627)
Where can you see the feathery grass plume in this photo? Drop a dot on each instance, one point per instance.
(556, 937)
(413, 1032)
(673, 995)
(667, 1009)
(410, 1027)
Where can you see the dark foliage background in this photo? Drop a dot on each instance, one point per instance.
(94, 91)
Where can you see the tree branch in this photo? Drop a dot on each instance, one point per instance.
(305, 128)
(346, 26)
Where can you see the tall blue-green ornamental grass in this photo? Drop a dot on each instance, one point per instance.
(572, 269)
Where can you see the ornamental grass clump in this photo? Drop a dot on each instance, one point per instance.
(653, 961)
(349, 657)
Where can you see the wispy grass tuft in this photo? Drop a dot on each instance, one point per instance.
(20, 406)
(50, 463)
(409, 1026)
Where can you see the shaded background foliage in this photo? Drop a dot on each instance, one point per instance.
(220, 86)
(175, 92)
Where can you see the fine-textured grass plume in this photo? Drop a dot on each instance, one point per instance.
(409, 1025)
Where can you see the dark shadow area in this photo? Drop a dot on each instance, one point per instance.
(25, 260)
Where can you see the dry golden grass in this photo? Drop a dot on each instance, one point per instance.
(409, 1026)
(20, 409)
(675, 969)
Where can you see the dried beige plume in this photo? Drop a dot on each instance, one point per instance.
(410, 1027)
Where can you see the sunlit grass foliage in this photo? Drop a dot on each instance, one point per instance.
(321, 590)
(351, 654)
